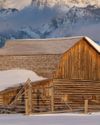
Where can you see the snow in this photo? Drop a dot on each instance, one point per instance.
(56, 21)
(51, 119)
(9, 78)
(96, 46)
(33, 22)
(20, 4)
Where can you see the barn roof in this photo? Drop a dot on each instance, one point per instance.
(20, 85)
(42, 46)
(38, 46)
(11, 77)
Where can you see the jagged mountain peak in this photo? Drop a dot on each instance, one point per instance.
(76, 17)
(20, 4)
(70, 3)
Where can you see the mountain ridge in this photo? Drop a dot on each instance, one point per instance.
(20, 4)
(37, 21)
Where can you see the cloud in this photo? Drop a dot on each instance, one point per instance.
(92, 31)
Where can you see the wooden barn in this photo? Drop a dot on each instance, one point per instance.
(72, 86)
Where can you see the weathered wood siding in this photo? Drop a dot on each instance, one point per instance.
(8, 95)
(41, 96)
(42, 64)
(82, 62)
(19, 99)
(38, 97)
(70, 94)
(78, 78)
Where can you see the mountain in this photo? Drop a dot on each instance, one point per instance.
(21, 19)
(70, 3)
(20, 4)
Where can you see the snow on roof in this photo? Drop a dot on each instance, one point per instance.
(38, 46)
(43, 46)
(96, 46)
(9, 78)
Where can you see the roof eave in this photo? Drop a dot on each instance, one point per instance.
(93, 44)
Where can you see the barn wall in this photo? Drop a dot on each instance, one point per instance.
(37, 95)
(78, 79)
(8, 95)
(41, 64)
(41, 96)
(70, 95)
(1, 100)
(80, 62)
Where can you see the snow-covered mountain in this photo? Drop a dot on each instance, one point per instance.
(49, 18)
(70, 3)
(20, 4)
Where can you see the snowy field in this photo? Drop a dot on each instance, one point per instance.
(54, 119)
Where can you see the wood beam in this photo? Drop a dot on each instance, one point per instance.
(28, 100)
(86, 106)
(52, 98)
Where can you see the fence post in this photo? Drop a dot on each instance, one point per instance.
(52, 97)
(28, 98)
(86, 106)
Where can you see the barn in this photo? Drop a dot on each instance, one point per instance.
(71, 67)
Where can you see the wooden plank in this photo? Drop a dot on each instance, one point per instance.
(52, 99)
(80, 62)
(28, 100)
(85, 106)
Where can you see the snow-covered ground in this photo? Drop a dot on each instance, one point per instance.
(54, 119)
